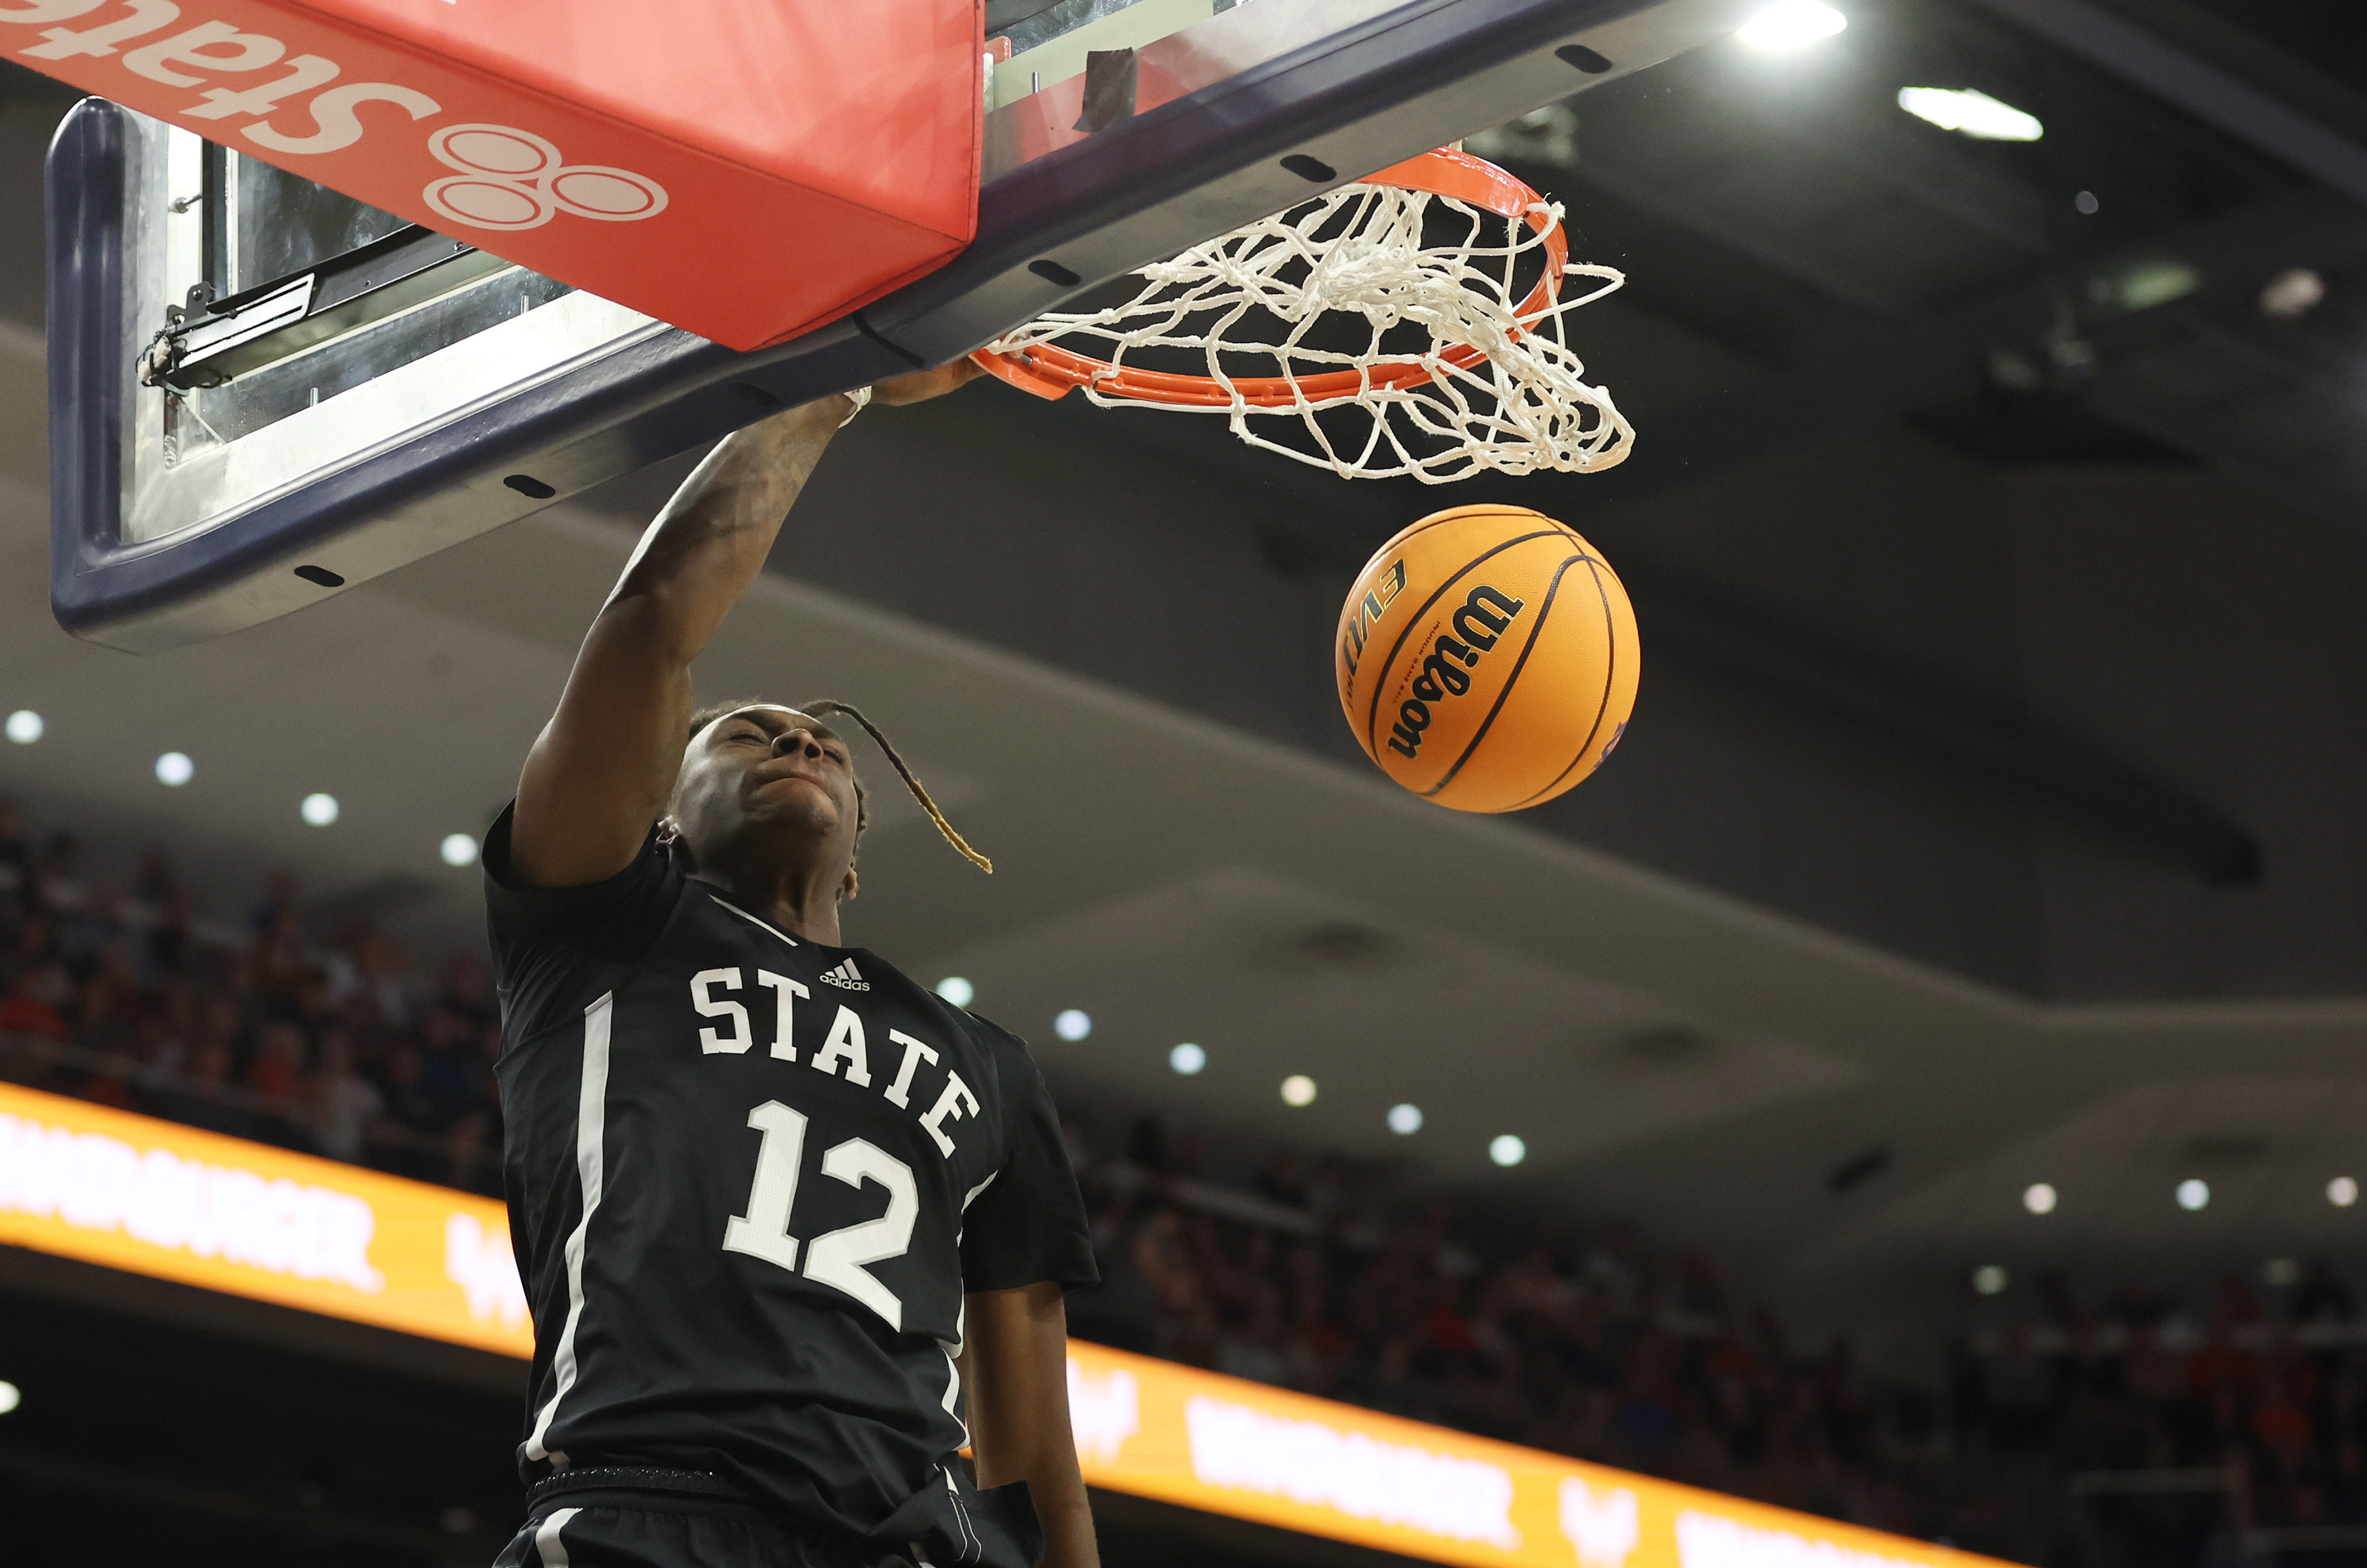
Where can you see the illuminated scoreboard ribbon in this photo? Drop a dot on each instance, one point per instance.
(107, 1186)
(131, 1193)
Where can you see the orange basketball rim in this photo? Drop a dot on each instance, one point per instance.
(1050, 372)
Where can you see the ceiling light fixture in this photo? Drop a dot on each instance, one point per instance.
(1405, 1120)
(319, 810)
(25, 726)
(1298, 1090)
(1074, 1024)
(10, 1397)
(2293, 294)
(2193, 1193)
(956, 990)
(2343, 1191)
(1187, 1058)
(1507, 1150)
(1789, 25)
(1968, 111)
(457, 849)
(1990, 1279)
(2039, 1198)
(174, 769)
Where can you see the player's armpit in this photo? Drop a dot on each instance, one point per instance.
(1014, 1363)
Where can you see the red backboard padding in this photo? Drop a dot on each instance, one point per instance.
(744, 169)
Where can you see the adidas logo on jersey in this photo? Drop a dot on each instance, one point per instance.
(846, 977)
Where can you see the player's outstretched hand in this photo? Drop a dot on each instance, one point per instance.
(922, 385)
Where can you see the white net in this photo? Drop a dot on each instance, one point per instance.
(1495, 388)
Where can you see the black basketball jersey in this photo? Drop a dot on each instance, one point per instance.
(750, 1180)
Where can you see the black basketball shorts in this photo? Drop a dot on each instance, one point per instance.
(659, 1527)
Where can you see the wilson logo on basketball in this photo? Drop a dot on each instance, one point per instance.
(1368, 615)
(1444, 671)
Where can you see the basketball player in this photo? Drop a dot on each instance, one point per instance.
(784, 1215)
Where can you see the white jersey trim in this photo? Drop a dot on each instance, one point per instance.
(590, 1118)
(751, 919)
(547, 1544)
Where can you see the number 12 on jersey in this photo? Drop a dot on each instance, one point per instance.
(838, 1257)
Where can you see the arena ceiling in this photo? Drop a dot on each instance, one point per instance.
(1994, 792)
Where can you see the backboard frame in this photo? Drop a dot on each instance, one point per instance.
(1298, 97)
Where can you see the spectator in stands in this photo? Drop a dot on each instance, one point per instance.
(344, 1104)
(15, 850)
(447, 1067)
(26, 1009)
(274, 1074)
(202, 1097)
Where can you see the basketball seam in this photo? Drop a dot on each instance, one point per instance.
(1505, 694)
(1373, 715)
(1610, 680)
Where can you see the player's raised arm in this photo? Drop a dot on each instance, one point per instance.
(601, 769)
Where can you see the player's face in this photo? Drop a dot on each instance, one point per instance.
(767, 782)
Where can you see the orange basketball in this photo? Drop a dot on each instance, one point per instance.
(1487, 659)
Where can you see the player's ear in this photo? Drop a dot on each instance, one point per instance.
(669, 831)
(848, 889)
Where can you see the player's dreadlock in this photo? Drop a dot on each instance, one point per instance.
(827, 704)
(708, 716)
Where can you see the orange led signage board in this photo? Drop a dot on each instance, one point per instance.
(155, 1198)
(1243, 1449)
(131, 1193)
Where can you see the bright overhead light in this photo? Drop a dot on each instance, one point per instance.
(1405, 1120)
(2193, 1193)
(25, 726)
(1074, 1024)
(2293, 294)
(1506, 1149)
(2039, 1198)
(317, 810)
(10, 1397)
(956, 990)
(174, 769)
(1990, 1279)
(457, 849)
(1298, 1090)
(1187, 1058)
(1968, 111)
(2343, 1191)
(1791, 24)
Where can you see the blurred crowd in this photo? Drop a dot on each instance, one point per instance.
(1586, 1341)
(266, 1026)
(2185, 1435)
(2134, 1434)
(2135, 1431)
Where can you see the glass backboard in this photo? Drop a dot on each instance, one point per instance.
(263, 392)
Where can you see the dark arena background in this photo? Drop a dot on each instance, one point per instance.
(1911, 1103)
